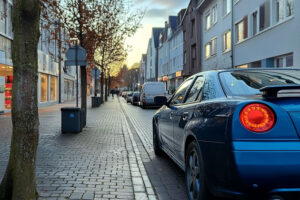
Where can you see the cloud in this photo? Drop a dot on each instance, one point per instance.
(140, 1)
(158, 12)
(171, 3)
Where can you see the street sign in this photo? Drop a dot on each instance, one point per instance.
(72, 57)
(76, 55)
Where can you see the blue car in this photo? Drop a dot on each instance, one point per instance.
(235, 133)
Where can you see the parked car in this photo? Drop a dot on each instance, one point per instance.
(235, 133)
(124, 94)
(149, 91)
(129, 96)
(135, 98)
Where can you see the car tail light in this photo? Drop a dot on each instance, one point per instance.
(257, 118)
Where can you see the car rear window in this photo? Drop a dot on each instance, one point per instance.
(249, 82)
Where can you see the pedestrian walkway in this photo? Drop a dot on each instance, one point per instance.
(102, 162)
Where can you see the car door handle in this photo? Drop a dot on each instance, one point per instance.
(185, 116)
(171, 115)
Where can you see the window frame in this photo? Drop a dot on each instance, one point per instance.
(224, 41)
(184, 97)
(200, 92)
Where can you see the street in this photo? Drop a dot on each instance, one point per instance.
(111, 159)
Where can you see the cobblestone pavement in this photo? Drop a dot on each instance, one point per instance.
(102, 162)
(166, 177)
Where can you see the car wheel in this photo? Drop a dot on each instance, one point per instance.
(195, 175)
(156, 142)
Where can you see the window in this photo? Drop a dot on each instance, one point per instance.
(213, 46)
(180, 93)
(264, 15)
(207, 50)
(194, 56)
(53, 88)
(3, 20)
(193, 28)
(44, 88)
(214, 14)
(289, 8)
(184, 35)
(279, 10)
(208, 21)
(226, 7)
(184, 58)
(254, 23)
(289, 61)
(195, 90)
(284, 61)
(227, 41)
(242, 29)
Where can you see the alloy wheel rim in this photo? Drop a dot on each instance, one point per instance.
(193, 175)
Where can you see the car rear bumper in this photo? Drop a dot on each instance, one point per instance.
(270, 166)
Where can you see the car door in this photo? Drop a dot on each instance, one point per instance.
(185, 113)
(166, 116)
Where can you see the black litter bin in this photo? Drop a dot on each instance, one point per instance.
(71, 120)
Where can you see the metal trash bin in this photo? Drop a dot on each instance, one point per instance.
(96, 102)
(71, 120)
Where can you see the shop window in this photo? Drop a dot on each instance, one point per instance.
(8, 91)
(53, 88)
(44, 88)
(284, 61)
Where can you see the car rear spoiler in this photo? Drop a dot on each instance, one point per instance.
(272, 91)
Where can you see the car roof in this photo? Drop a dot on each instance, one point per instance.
(239, 69)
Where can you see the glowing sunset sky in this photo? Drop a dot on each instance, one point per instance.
(157, 12)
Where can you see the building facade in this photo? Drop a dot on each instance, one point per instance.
(170, 53)
(142, 69)
(191, 25)
(266, 33)
(55, 82)
(152, 55)
(216, 24)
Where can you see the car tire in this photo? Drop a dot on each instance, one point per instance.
(195, 175)
(156, 143)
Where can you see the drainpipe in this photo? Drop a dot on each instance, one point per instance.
(232, 35)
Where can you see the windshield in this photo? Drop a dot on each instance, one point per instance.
(249, 82)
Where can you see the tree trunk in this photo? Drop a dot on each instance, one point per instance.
(19, 179)
(83, 93)
(102, 84)
(106, 88)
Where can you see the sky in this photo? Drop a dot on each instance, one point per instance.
(157, 12)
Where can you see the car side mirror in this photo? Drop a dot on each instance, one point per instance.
(160, 100)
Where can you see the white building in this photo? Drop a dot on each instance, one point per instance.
(267, 33)
(249, 33)
(216, 20)
(49, 55)
(142, 69)
(170, 54)
(152, 55)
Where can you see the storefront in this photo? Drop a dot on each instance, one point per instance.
(6, 72)
(48, 88)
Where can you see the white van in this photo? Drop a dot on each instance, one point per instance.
(151, 90)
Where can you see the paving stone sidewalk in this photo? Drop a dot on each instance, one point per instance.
(102, 162)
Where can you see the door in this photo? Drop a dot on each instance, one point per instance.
(166, 116)
(184, 114)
